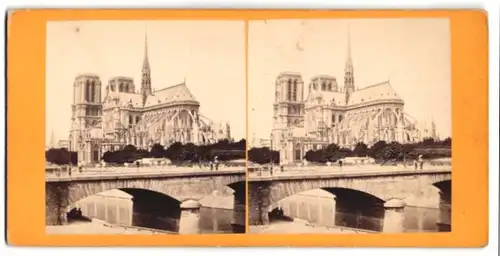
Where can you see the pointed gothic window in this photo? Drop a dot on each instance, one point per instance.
(294, 90)
(289, 89)
(92, 91)
(86, 90)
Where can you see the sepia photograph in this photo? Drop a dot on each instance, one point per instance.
(349, 125)
(145, 127)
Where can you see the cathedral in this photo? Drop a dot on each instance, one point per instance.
(344, 116)
(124, 116)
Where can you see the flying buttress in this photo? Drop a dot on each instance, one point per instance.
(205, 120)
(409, 120)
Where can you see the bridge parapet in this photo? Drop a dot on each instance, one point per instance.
(131, 173)
(327, 173)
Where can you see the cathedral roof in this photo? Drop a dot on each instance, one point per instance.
(87, 75)
(126, 98)
(381, 91)
(289, 73)
(175, 93)
(121, 78)
(323, 77)
(328, 96)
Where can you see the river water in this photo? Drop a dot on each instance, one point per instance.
(317, 207)
(116, 207)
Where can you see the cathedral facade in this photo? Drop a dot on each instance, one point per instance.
(124, 116)
(341, 115)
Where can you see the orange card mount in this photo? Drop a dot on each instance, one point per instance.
(297, 83)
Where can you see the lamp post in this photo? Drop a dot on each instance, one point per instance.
(69, 150)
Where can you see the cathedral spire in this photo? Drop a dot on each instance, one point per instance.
(348, 70)
(145, 63)
(349, 59)
(146, 89)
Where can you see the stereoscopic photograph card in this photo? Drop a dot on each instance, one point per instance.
(363, 128)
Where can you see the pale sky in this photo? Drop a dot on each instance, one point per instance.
(414, 54)
(209, 55)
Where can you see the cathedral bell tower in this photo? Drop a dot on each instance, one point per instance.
(288, 110)
(146, 73)
(86, 116)
(348, 71)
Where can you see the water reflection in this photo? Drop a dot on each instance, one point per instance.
(318, 207)
(215, 220)
(116, 207)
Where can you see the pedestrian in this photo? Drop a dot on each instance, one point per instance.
(421, 162)
(281, 213)
(80, 166)
(216, 161)
(340, 163)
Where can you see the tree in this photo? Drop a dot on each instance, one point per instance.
(332, 148)
(61, 156)
(318, 156)
(361, 149)
(127, 154)
(204, 152)
(447, 142)
(157, 151)
(328, 154)
(428, 142)
(109, 157)
(377, 148)
(312, 156)
(240, 145)
(406, 149)
(263, 155)
(174, 151)
(391, 152)
(342, 153)
(129, 148)
(223, 144)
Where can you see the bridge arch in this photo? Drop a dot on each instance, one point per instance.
(443, 185)
(280, 191)
(141, 207)
(383, 188)
(180, 188)
(341, 207)
(144, 192)
(374, 189)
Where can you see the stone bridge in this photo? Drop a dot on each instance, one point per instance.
(176, 187)
(375, 193)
